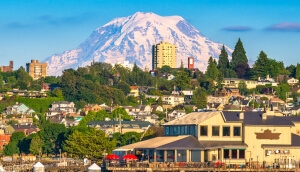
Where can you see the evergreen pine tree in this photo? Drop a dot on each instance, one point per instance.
(223, 63)
(239, 62)
(239, 55)
(260, 66)
(212, 70)
(297, 75)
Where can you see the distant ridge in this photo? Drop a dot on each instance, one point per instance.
(131, 38)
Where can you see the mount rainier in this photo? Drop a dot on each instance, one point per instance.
(131, 38)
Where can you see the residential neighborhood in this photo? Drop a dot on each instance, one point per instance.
(191, 116)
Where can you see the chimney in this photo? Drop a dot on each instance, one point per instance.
(241, 115)
(264, 116)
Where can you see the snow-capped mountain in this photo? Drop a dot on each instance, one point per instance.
(131, 38)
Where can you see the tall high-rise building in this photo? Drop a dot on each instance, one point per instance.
(36, 69)
(163, 54)
(190, 62)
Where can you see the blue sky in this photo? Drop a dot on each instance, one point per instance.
(36, 29)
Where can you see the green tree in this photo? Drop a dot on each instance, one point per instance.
(223, 63)
(11, 148)
(126, 138)
(165, 69)
(91, 143)
(121, 112)
(297, 74)
(57, 92)
(282, 91)
(211, 71)
(242, 87)
(23, 77)
(17, 136)
(14, 144)
(182, 78)
(253, 104)
(239, 55)
(53, 136)
(159, 101)
(292, 70)
(94, 116)
(51, 79)
(260, 66)
(200, 98)
(36, 145)
(124, 87)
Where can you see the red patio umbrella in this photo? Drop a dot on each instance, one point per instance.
(130, 157)
(112, 157)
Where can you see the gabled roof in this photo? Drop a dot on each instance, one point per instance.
(255, 118)
(192, 118)
(245, 102)
(275, 99)
(292, 118)
(295, 89)
(23, 126)
(166, 142)
(62, 102)
(141, 124)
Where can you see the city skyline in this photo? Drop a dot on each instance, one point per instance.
(39, 29)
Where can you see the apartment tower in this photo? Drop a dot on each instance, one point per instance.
(163, 54)
(36, 69)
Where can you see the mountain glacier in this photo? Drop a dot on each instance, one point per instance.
(131, 39)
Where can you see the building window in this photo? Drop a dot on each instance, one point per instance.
(192, 130)
(234, 153)
(226, 153)
(215, 131)
(167, 131)
(236, 131)
(203, 130)
(226, 131)
(241, 154)
(186, 130)
(182, 130)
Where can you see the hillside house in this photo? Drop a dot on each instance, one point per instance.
(176, 113)
(156, 108)
(173, 100)
(18, 108)
(134, 91)
(110, 127)
(27, 129)
(64, 106)
(292, 81)
(92, 107)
